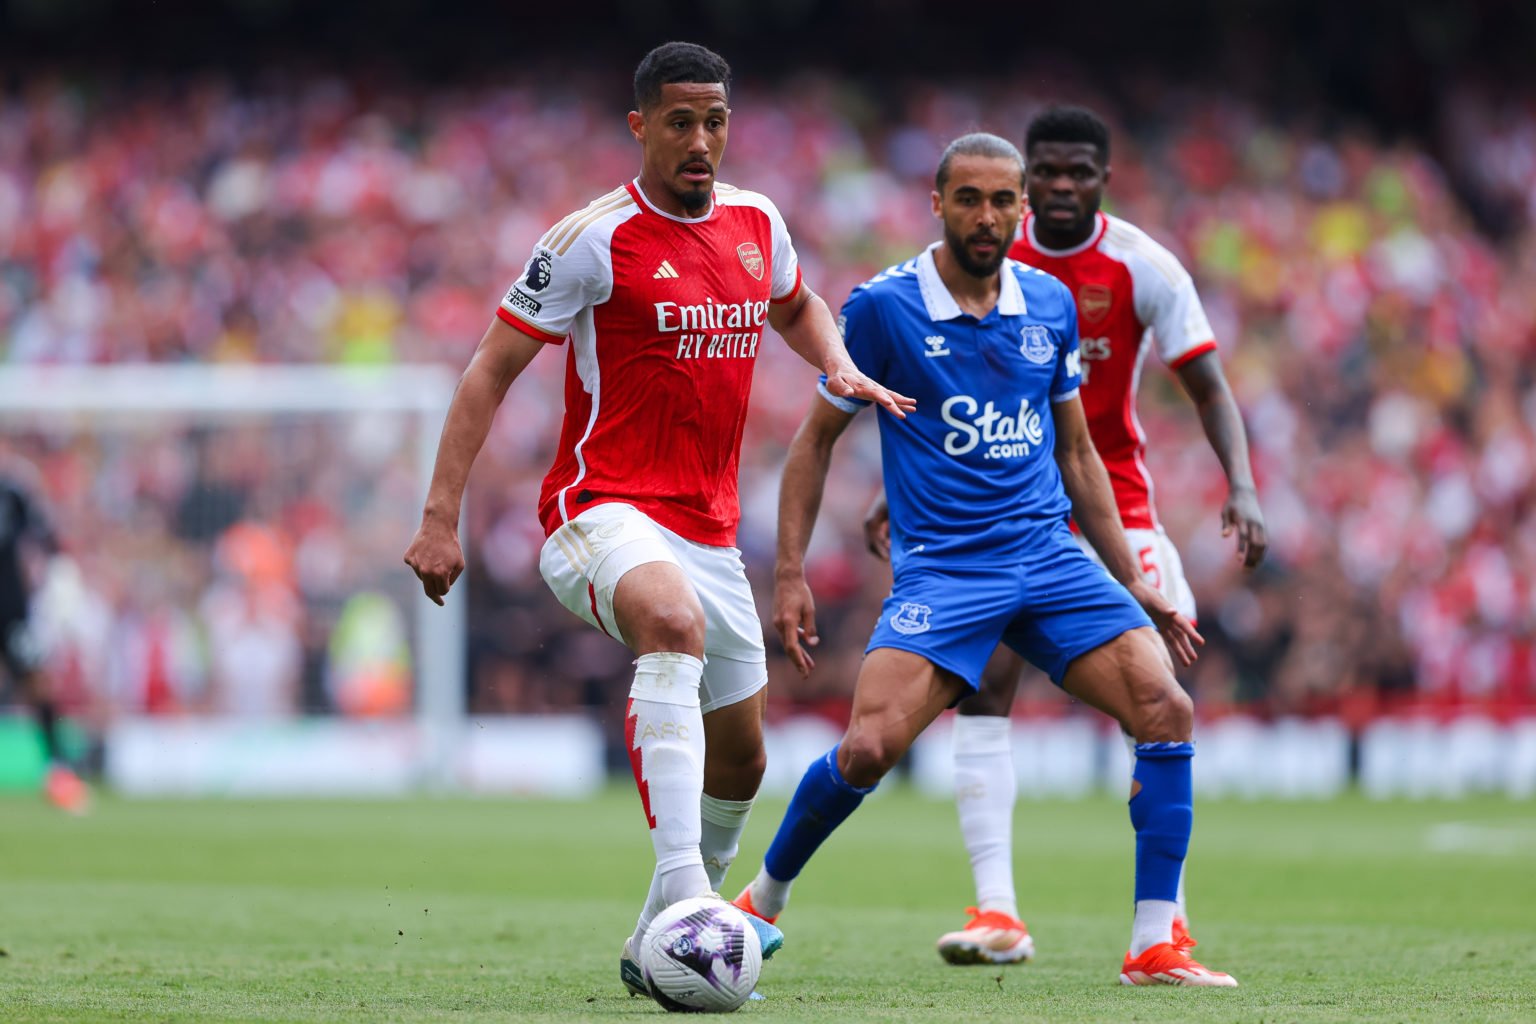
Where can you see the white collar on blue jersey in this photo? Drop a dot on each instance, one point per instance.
(941, 304)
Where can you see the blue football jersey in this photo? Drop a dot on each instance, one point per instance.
(971, 475)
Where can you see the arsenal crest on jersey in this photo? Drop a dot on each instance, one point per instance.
(751, 258)
(1037, 346)
(1093, 301)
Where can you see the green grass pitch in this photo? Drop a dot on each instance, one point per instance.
(497, 910)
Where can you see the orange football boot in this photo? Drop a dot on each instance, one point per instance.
(743, 903)
(990, 937)
(1169, 963)
(1181, 936)
(66, 791)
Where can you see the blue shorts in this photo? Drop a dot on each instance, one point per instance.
(1053, 606)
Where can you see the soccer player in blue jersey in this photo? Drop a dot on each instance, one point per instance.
(981, 480)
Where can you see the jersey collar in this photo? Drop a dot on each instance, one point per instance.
(941, 305)
(1093, 239)
(646, 202)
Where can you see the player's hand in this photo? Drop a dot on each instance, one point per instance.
(848, 382)
(1177, 632)
(877, 528)
(1241, 515)
(794, 616)
(435, 557)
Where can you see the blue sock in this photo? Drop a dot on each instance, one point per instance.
(1162, 814)
(822, 802)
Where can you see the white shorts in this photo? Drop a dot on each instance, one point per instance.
(584, 560)
(1160, 564)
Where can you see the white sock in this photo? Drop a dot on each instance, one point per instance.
(665, 733)
(985, 790)
(723, 822)
(1130, 745)
(654, 904)
(769, 895)
(1153, 924)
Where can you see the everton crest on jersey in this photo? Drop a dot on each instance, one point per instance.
(1037, 347)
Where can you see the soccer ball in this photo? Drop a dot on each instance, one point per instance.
(701, 955)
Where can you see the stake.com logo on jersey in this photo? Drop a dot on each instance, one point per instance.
(1006, 437)
(691, 321)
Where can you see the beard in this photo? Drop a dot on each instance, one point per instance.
(695, 199)
(976, 267)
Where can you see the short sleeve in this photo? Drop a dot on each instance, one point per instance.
(1069, 360)
(786, 263)
(858, 322)
(557, 283)
(1167, 302)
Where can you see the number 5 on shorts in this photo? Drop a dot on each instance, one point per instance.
(1149, 570)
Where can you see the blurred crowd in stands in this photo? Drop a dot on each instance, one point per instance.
(1380, 342)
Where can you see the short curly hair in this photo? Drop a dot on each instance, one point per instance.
(1068, 124)
(677, 62)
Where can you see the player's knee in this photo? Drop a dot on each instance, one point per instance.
(672, 626)
(735, 766)
(1162, 711)
(866, 757)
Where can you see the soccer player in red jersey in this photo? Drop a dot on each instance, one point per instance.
(663, 287)
(1132, 296)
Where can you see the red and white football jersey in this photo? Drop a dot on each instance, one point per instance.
(665, 315)
(1127, 286)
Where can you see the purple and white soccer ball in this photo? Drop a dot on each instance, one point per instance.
(701, 955)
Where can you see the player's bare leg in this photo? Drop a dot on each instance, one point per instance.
(986, 789)
(1131, 679)
(898, 694)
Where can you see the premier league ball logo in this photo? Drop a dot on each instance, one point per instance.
(539, 271)
(701, 954)
(1037, 347)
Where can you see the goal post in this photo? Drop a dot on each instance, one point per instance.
(338, 434)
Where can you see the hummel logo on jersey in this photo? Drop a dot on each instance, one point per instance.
(664, 271)
(935, 343)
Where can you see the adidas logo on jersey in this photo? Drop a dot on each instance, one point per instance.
(664, 271)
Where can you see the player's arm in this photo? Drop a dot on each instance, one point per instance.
(1208, 389)
(435, 555)
(1093, 508)
(877, 527)
(805, 479)
(805, 323)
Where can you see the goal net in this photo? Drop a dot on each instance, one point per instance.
(233, 540)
